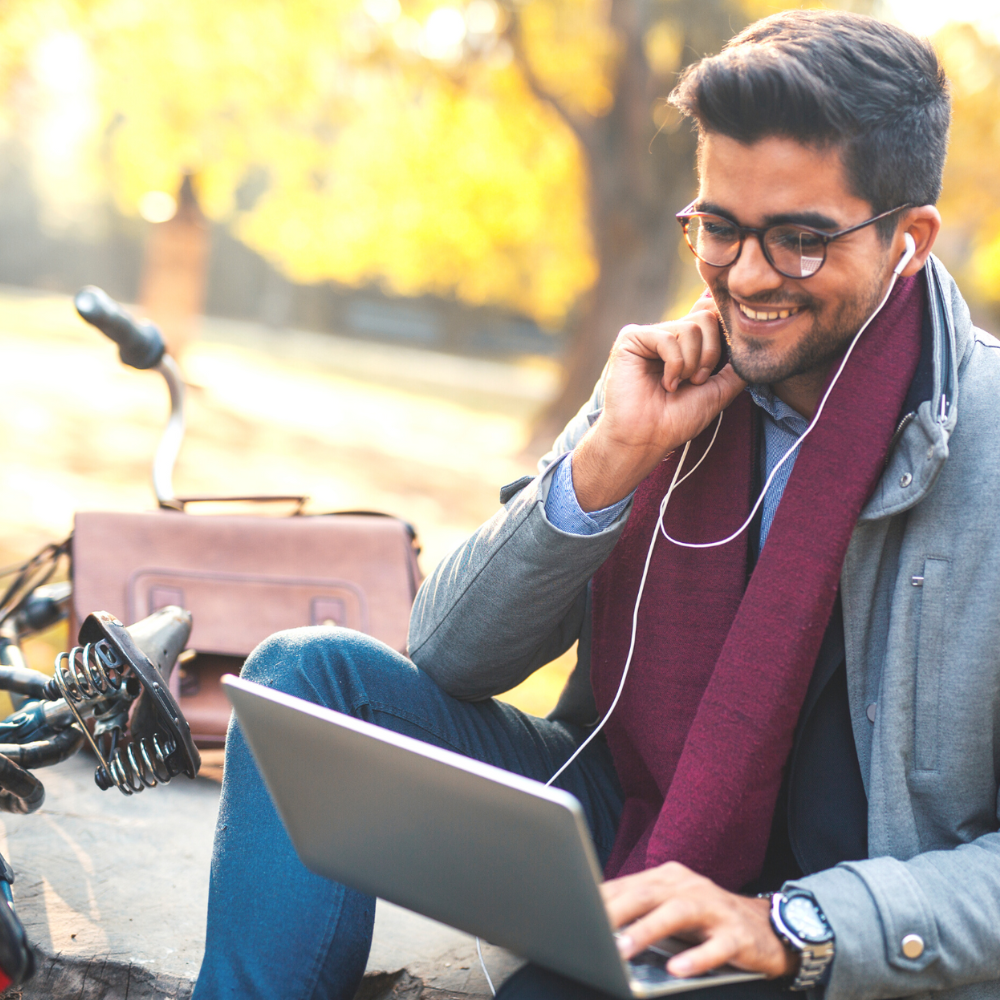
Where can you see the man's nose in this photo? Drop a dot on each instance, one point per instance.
(752, 274)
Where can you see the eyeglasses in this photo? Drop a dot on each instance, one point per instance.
(792, 250)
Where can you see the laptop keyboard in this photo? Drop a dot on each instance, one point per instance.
(648, 968)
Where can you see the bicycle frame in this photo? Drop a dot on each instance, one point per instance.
(173, 436)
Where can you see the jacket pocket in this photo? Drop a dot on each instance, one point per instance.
(930, 649)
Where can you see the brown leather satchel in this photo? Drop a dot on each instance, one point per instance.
(244, 578)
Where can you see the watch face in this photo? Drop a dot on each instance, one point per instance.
(802, 916)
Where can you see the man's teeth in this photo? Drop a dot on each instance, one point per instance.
(760, 314)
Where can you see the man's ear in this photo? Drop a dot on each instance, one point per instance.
(923, 224)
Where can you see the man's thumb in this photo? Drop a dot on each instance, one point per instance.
(728, 384)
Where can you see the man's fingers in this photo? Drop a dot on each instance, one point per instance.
(689, 349)
(712, 397)
(669, 349)
(672, 917)
(655, 899)
(710, 345)
(629, 884)
(720, 948)
(692, 343)
(702, 375)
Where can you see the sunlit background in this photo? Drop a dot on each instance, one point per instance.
(925, 17)
(389, 241)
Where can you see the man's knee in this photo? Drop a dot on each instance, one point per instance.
(317, 663)
(284, 658)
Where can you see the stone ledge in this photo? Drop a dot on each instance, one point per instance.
(402, 986)
(66, 978)
(113, 890)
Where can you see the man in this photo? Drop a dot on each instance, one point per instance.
(812, 705)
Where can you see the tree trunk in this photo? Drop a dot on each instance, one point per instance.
(632, 287)
(638, 179)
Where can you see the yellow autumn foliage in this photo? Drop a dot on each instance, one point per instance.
(572, 51)
(321, 133)
(473, 189)
(371, 162)
(970, 201)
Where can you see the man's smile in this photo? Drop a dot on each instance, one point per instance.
(767, 315)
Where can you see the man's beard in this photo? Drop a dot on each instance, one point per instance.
(818, 348)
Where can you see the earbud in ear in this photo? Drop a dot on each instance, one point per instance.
(911, 249)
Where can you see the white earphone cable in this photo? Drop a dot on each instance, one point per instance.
(674, 483)
(788, 454)
(631, 646)
(486, 972)
(678, 479)
(628, 660)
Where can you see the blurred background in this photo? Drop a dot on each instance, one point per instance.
(390, 241)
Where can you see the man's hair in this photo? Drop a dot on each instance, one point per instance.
(832, 78)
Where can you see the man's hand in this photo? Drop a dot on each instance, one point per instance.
(673, 900)
(659, 393)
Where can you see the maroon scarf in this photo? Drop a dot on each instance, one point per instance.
(720, 670)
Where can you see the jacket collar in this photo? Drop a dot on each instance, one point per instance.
(920, 447)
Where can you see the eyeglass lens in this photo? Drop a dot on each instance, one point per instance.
(795, 252)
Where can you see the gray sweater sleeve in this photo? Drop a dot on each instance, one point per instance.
(514, 596)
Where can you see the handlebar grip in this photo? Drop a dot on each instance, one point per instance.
(140, 343)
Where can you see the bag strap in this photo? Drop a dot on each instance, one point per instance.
(180, 503)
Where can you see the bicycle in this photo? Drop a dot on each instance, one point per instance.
(111, 691)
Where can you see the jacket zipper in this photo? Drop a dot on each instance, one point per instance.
(944, 403)
(908, 419)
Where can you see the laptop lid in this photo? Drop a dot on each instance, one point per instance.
(484, 850)
(465, 843)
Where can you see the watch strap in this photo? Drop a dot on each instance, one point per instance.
(815, 960)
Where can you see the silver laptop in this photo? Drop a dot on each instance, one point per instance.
(489, 852)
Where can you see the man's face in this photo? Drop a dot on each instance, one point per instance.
(779, 327)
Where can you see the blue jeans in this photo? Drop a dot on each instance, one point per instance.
(274, 928)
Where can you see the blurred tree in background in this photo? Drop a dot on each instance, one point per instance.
(517, 153)
(970, 203)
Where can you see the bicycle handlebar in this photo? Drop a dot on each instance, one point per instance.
(21, 791)
(140, 343)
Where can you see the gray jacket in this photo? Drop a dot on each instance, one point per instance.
(921, 596)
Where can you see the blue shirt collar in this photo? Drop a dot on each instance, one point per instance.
(781, 413)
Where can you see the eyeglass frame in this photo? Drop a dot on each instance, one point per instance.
(685, 216)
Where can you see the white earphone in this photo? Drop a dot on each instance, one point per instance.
(911, 249)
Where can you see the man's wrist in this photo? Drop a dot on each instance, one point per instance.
(605, 473)
(792, 957)
(563, 510)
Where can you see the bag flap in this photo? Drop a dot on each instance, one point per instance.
(244, 578)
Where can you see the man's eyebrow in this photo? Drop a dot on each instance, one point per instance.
(814, 219)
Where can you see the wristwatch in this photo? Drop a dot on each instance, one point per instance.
(797, 919)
